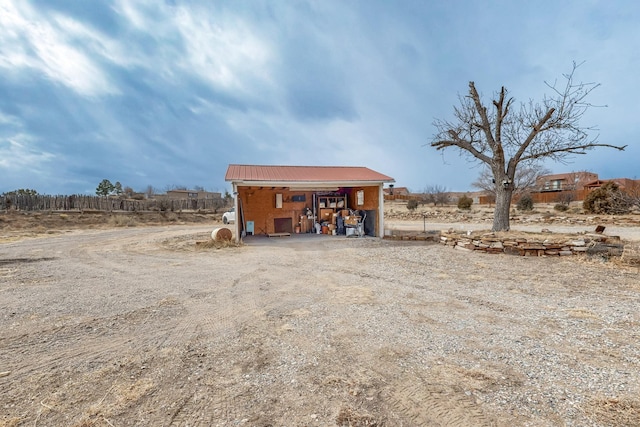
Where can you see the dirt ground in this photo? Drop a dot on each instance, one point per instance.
(120, 325)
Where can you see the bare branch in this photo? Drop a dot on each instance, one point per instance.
(579, 149)
(482, 110)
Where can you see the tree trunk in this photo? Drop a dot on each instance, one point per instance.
(501, 212)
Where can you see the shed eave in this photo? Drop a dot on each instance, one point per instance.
(308, 184)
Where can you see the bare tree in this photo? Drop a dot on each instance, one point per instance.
(171, 187)
(427, 196)
(504, 137)
(524, 180)
(443, 197)
(566, 197)
(128, 192)
(435, 194)
(149, 192)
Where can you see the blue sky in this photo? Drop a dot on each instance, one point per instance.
(168, 93)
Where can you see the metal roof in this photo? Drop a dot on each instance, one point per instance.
(311, 174)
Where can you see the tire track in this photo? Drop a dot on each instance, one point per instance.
(92, 339)
(205, 408)
(423, 404)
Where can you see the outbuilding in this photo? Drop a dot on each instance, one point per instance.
(284, 200)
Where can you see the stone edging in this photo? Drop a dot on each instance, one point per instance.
(590, 244)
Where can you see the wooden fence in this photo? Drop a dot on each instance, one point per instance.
(401, 197)
(543, 197)
(87, 203)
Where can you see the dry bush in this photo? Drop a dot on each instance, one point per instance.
(122, 221)
(525, 203)
(348, 417)
(608, 199)
(465, 202)
(169, 216)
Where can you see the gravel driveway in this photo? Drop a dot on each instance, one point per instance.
(134, 326)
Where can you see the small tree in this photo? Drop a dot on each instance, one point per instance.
(117, 188)
(465, 202)
(504, 137)
(105, 188)
(128, 192)
(525, 203)
(149, 192)
(228, 198)
(428, 197)
(435, 194)
(442, 197)
(565, 198)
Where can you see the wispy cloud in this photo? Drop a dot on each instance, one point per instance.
(17, 156)
(34, 42)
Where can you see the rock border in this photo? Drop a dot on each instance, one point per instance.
(520, 244)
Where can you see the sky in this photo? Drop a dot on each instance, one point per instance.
(169, 93)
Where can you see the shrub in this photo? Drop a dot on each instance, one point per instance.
(608, 199)
(122, 221)
(412, 204)
(465, 202)
(168, 216)
(561, 207)
(565, 198)
(525, 203)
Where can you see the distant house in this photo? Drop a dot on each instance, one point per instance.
(192, 194)
(623, 184)
(396, 191)
(565, 181)
(575, 186)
